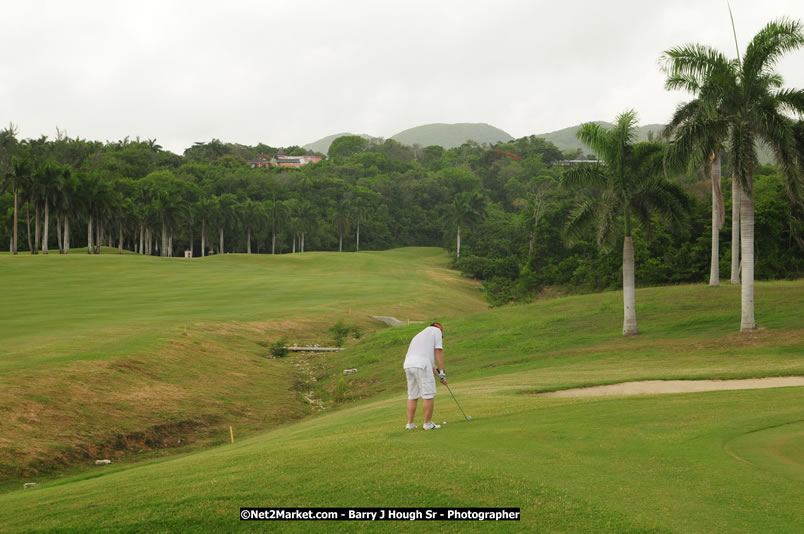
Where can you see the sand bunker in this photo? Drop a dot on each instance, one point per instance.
(393, 321)
(653, 387)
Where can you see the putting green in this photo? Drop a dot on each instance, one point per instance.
(778, 449)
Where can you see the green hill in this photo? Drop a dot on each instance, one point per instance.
(445, 135)
(322, 145)
(727, 461)
(451, 135)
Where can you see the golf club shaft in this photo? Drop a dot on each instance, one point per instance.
(456, 401)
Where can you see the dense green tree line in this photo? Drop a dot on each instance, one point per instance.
(507, 200)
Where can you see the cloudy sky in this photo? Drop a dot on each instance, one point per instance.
(291, 72)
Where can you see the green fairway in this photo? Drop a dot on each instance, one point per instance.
(726, 461)
(76, 307)
(659, 464)
(121, 354)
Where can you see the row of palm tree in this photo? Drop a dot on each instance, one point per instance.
(151, 211)
(738, 104)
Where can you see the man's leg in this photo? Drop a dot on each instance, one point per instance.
(412, 409)
(427, 405)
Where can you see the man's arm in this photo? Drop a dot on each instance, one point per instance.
(439, 357)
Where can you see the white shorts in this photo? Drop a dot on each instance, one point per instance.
(421, 383)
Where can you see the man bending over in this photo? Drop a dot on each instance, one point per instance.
(424, 352)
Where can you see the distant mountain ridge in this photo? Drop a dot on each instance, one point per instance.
(454, 135)
(322, 145)
(451, 135)
(445, 135)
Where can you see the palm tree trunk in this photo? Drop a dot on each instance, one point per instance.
(203, 237)
(220, 250)
(248, 240)
(736, 197)
(66, 233)
(718, 217)
(302, 242)
(273, 242)
(37, 230)
(58, 234)
(170, 245)
(46, 227)
(99, 237)
(16, 209)
(163, 245)
(629, 289)
(89, 235)
(747, 321)
(458, 246)
(357, 244)
(142, 231)
(340, 242)
(28, 223)
(45, 234)
(294, 242)
(120, 240)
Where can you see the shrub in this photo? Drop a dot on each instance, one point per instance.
(279, 349)
(340, 331)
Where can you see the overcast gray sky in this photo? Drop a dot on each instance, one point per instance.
(291, 72)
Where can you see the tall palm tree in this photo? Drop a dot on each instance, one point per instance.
(50, 180)
(362, 199)
(341, 220)
(466, 211)
(227, 213)
(278, 216)
(207, 213)
(754, 107)
(21, 172)
(628, 184)
(698, 138)
(253, 216)
(66, 204)
(305, 220)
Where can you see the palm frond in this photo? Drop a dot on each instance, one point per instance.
(743, 155)
(682, 82)
(581, 220)
(693, 61)
(607, 230)
(791, 100)
(768, 46)
(595, 137)
(584, 175)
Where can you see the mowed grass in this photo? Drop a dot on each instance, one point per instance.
(113, 355)
(77, 307)
(687, 332)
(706, 462)
(728, 461)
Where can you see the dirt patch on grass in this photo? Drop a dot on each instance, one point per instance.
(654, 387)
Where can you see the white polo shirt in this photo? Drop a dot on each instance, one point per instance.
(421, 352)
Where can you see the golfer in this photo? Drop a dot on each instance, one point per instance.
(424, 352)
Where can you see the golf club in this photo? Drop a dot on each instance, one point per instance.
(468, 417)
